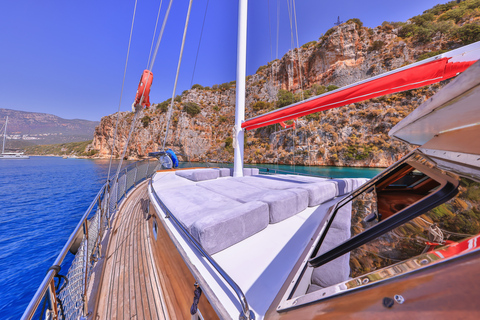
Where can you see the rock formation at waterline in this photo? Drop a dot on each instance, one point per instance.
(354, 135)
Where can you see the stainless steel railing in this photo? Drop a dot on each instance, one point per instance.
(72, 301)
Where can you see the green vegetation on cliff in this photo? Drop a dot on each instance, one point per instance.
(459, 21)
(72, 148)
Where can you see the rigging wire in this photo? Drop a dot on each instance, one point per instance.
(143, 93)
(154, 33)
(272, 83)
(292, 42)
(170, 109)
(278, 26)
(126, 143)
(292, 15)
(121, 93)
(199, 42)
(141, 99)
(155, 53)
(270, 30)
(298, 51)
(160, 35)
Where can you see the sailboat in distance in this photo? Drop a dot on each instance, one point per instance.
(240, 243)
(10, 155)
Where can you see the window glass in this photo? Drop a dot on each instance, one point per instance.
(445, 225)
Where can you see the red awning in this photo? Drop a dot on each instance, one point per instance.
(407, 78)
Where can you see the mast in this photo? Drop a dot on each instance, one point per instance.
(4, 134)
(240, 91)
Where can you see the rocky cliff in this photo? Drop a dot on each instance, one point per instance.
(354, 135)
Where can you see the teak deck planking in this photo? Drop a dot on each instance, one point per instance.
(130, 287)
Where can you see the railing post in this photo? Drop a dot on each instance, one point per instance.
(53, 298)
(135, 177)
(85, 265)
(125, 188)
(116, 197)
(148, 167)
(107, 201)
(100, 221)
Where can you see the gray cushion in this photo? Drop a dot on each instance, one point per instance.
(348, 185)
(338, 270)
(313, 287)
(306, 178)
(186, 201)
(344, 185)
(223, 172)
(335, 271)
(282, 204)
(222, 229)
(207, 216)
(198, 174)
(343, 218)
(318, 193)
(247, 171)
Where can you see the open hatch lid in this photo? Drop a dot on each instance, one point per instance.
(453, 111)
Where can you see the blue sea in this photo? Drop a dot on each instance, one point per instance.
(41, 201)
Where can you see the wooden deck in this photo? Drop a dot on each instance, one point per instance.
(130, 287)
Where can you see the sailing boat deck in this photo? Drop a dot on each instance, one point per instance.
(268, 255)
(130, 287)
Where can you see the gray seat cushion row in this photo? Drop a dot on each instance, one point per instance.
(223, 172)
(225, 228)
(212, 173)
(343, 185)
(282, 204)
(337, 270)
(348, 185)
(198, 174)
(318, 192)
(214, 220)
(247, 171)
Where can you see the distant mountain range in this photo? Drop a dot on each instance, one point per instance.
(32, 128)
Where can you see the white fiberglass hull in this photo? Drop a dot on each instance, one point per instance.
(13, 156)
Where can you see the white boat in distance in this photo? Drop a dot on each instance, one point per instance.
(10, 155)
(238, 243)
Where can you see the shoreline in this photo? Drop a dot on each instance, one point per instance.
(217, 162)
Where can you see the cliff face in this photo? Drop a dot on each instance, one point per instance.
(354, 135)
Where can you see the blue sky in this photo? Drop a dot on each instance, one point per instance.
(67, 57)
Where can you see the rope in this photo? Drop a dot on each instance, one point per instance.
(121, 92)
(446, 231)
(435, 234)
(199, 42)
(178, 71)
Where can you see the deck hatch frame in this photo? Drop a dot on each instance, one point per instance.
(447, 190)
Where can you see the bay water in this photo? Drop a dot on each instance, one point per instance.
(41, 202)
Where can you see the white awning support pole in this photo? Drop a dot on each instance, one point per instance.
(240, 93)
